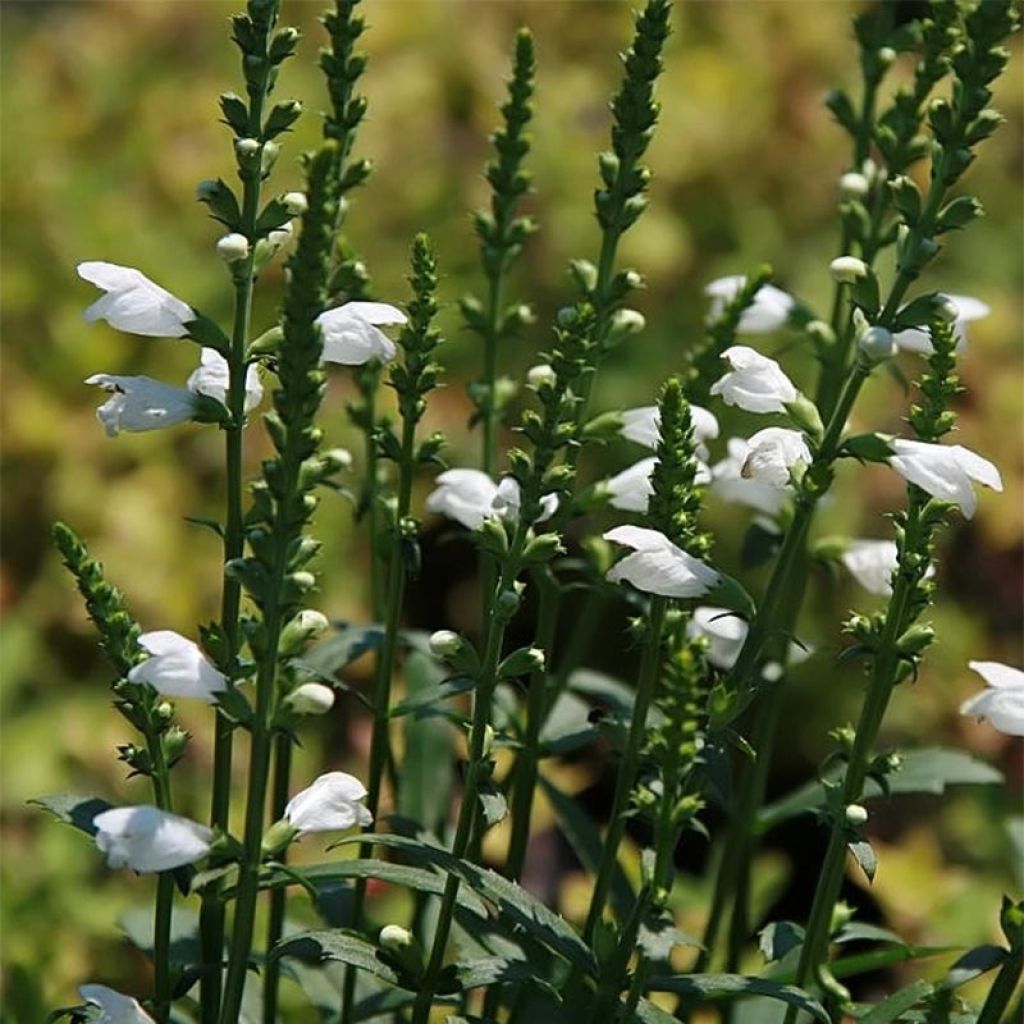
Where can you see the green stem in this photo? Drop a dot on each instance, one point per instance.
(490, 339)
(164, 889)
(626, 777)
(999, 995)
(278, 897)
(606, 997)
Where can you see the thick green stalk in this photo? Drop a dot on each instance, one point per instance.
(626, 776)
(275, 922)
(164, 890)
(492, 313)
(999, 995)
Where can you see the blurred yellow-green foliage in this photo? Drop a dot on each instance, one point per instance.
(109, 119)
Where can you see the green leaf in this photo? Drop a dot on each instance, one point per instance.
(461, 977)
(583, 836)
(431, 694)
(897, 1004)
(210, 524)
(425, 784)
(778, 938)
(930, 770)
(345, 645)
(511, 900)
(865, 856)
(492, 802)
(732, 986)
(602, 688)
(77, 811)
(137, 925)
(336, 944)
(858, 931)
(973, 964)
(868, 447)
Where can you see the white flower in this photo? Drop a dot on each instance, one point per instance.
(755, 382)
(945, 471)
(233, 247)
(541, 375)
(871, 563)
(726, 633)
(311, 699)
(1003, 702)
(773, 454)
(114, 1007)
(657, 566)
(631, 489)
(352, 335)
(213, 378)
(469, 496)
(331, 804)
(729, 483)
(967, 309)
(643, 426)
(137, 404)
(465, 495)
(147, 839)
(133, 303)
(768, 312)
(176, 667)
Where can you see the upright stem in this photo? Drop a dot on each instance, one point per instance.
(164, 890)
(626, 777)
(275, 922)
(490, 337)
(1001, 992)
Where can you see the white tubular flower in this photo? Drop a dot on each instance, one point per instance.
(147, 839)
(871, 563)
(1002, 704)
(967, 310)
(507, 501)
(352, 334)
(631, 489)
(642, 425)
(465, 495)
(114, 1007)
(176, 667)
(213, 378)
(773, 454)
(945, 471)
(138, 404)
(331, 804)
(724, 631)
(657, 566)
(768, 312)
(729, 483)
(755, 382)
(133, 303)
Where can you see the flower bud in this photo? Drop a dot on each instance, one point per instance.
(856, 814)
(295, 203)
(820, 332)
(625, 322)
(246, 148)
(488, 744)
(848, 269)
(281, 236)
(946, 309)
(853, 185)
(304, 627)
(540, 376)
(278, 838)
(403, 947)
(233, 248)
(877, 344)
(164, 711)
(269, 158)
(445, 644)
(310, 699)
(337, 460)
(886, 55)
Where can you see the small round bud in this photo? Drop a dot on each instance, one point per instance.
(164, 710)
(853, 185)
(848, 269)
(821, 332)
(303, 627)
(282, 235)
(566, 316)
(886, 55)
(393, 937)
(337, 460)
(877, 344)
(270, 152)
(541, 375)
(856, 814)
(233, 248)
(633, 279)
(536, 659)
(946, 309)
(295, 203)
(771, 672)
(445, 643)
(310, 699)
(626, 322)
(246, 148)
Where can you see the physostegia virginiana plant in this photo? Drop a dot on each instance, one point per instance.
(712, 658)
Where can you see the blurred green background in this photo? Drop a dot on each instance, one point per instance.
(109, 119)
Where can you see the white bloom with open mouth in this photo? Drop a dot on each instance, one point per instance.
(352, 334)
(754, 382)
(114, 1007)
(176, 667)
(1002, 703)
(945, 471)
(968, 309)
(773, 454)
(133, 303)
(213, 378)
(642, 425)
(332, 803)
(657, 566)
(507, 501)
(768, 312)
(871, 563)
(729, 483)
(147, 839)
(469, 496)
(138, 404)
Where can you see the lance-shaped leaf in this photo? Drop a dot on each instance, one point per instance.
(732, 986)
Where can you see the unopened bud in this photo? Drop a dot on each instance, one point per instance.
(303, 628)
(946, 309)
(246, 148)
(445, 644)
(278, 837)
(886, 55)
(281, 236)
(310, 699)
(295, 203)
(164, 711)
(820, 332)
(848, 269)
(337, 460)
(877, 344)
(625, 322)
(270, 151)
(233, 248)
(856, 814)
(541, 376)
(403, 947)
(853, 185)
